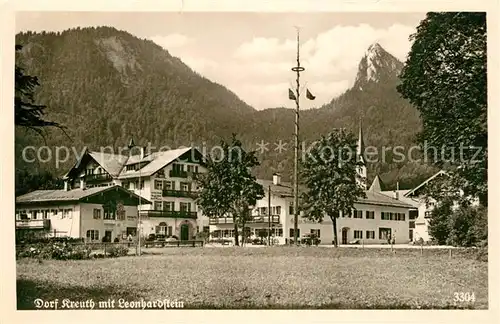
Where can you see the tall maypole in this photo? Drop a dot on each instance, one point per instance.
(297, 69)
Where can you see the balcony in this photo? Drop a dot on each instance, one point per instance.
(169, 214)
(98, 177)
(33, 223)
(275, 219)
(178, 174)
(179, 193)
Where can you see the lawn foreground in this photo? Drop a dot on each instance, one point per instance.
(273, 277)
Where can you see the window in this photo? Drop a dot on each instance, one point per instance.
(168, 205)
(427, 214)
(157, 205)
(392, 216)
(54, 212)
(97, 213)
(169, 230)
(290, 210)
(195, 169)
(316, 232)
(358, 234)
(109, 213)
(403, 217)
(169, 185)
(358, 214)
(384, 233)
(370, 214)
(385, 216)
(158, 185)
(412, 224)
(93, 235)
(185, 186)
(190, 168)
(141, 184)
(348, 213)
(161, 230)
(370, 234)
(66, 213)
(34, 214)
(46, 214)
(185, 207)
(292, 232)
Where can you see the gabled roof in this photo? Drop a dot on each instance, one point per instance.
(414, 190)
(156, 160)
(377, 198)
(115, 164)
(285, 189)
(73, 195)
(112, 163)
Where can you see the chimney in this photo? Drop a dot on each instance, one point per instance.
(82, 183)
(396, 192)
(276, 179)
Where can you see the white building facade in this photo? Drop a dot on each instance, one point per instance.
(163, 179)
(91, 214)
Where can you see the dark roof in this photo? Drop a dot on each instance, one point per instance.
(70, 195)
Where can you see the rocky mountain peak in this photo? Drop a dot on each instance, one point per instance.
(377, 65)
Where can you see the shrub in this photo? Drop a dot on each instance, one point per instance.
(117, 251)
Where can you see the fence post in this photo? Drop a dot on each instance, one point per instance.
(449, 253)
(421, 249)
(104, 249)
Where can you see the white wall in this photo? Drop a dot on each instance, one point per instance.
(64, 226)
(118, 227)
(399, 228)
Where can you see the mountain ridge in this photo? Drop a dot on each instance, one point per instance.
(107, 85)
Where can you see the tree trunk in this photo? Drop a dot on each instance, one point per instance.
(334, 223)
(236, 238)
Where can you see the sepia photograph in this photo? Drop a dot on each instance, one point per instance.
(250, 160)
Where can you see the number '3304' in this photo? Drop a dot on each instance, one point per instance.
(464, 297)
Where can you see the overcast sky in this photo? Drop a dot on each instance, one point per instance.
(252, 53)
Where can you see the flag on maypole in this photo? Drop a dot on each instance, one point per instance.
(291, 95)
(309, 95)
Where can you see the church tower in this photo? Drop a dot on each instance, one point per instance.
(360, 150)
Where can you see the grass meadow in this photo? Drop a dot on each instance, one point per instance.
(260, 278)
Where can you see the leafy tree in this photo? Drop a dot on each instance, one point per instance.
(27, 113)
(439, 222)
(468, 226)
(229, 188)
(444, 77)
(330, 175)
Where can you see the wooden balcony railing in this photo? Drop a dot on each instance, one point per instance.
(33, 223)
(179, 193)
(178, 174)
(169, 214)
(98, 177)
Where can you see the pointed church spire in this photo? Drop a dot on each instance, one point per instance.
(361, 142)
(376, 184)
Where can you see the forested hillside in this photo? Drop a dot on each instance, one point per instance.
(106, 85)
